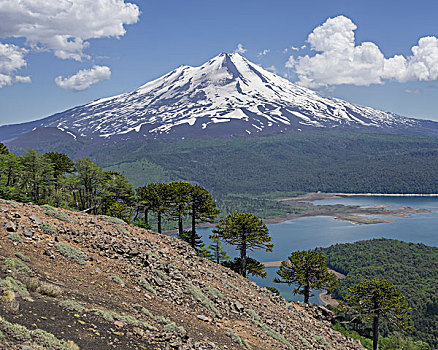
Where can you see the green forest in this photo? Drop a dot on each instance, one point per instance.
(329, 161)
(411, 267)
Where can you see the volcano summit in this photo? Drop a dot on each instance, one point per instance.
(226, 96)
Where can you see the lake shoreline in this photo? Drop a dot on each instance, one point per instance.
(354, 214)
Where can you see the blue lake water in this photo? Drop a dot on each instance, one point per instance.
(322, 231)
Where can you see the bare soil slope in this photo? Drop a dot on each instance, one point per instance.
(70, 280)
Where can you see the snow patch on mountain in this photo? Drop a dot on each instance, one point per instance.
(226, 90)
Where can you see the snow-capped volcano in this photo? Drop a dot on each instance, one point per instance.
(227, 95)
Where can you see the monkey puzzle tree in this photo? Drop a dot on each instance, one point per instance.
(247, 232)
(202, 206)
(308, 270)
(179, 192)
(373, 300)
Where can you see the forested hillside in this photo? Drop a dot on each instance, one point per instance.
(328, 161)
(413, 268)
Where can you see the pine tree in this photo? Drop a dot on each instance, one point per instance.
(375, 299)
(308, 270)
(217, 252)
(247, 232)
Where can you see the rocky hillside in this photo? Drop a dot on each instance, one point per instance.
(74, 281)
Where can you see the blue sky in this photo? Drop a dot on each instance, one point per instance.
(117, 48)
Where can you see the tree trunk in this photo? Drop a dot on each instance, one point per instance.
(306, 293)
(376, 333)
(243, 258)
(159, 222)
(193, 219)
(180, 225)
(146, 215)
(306, 289)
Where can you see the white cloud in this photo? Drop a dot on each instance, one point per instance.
(11, 60)
(21, 79)
(83, 79)
(64, 26)
(338, 60)
(240, 49)
(272, 69)
(415, 91)
(264, 52)
(293, 48)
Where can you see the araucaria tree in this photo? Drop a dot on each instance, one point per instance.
(307, 270)
(373, 300)
(247, 232)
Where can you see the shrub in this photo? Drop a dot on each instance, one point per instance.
(56, 214)
(11, 203)
(72, 253)
(22, 257)
(14, 285)
(215, 293)
(273, 334)
(71, 305)
(175, 329)
(48, 229)
(161, 275)
(50, 290)
(15, 237)
(111, 220)
(118, 280)
(17, 267)
(202, 298)
(147, 312)
(142, 282)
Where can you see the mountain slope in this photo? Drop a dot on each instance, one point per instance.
(105, 285)
(228, 95)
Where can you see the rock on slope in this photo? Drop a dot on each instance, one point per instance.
(69, 276)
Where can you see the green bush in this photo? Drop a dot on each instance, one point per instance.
(118, 280)
(10, 283)
(48, 229)
(111, 220)
(50, 290)
(56, 214)
(72, 253)
(15, 237)
(22, 257)
(142, 282)
(17, 267)
(202, 298)
(71, 305)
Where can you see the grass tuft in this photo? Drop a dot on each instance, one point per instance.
(48, 229)
(22, 257)
(14, 237)
(111, 220)
(56, 214)
(72, 253)
(202, 298)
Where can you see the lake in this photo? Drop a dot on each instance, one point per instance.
(321, 231)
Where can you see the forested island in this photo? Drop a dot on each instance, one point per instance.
(411, 267)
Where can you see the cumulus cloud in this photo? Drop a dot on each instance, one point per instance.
(272, 69)
(240, 49)
(11, 60)
(83, 79)
(264, 52)
(339, 60)
(64, 26)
